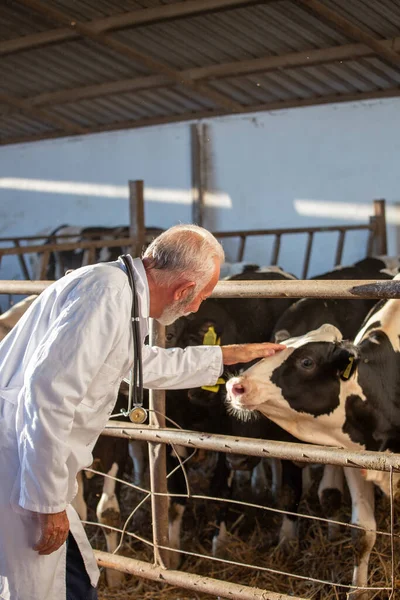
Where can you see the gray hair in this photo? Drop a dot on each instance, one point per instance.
(184, 250)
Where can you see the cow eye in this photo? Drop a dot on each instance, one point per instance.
(307, 363)
(169, 337)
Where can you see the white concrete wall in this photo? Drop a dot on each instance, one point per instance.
(292, 168)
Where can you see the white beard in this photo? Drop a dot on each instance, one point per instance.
(173, 312)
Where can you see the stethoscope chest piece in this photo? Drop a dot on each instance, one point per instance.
(138, 415)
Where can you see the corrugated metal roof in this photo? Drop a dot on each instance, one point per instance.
(186, 59)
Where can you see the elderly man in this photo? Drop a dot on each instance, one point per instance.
(60, 370)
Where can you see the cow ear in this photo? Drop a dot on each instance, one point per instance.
(345, 358)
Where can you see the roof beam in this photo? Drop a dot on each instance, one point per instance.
(193, 116)
(352, 30)
(145, 16)
(39, 114)
(124, 50)
(231, 69)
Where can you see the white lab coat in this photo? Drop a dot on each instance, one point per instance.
(60, 370)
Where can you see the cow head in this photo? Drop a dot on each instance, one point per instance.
(299, 385)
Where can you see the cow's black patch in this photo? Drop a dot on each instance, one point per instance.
(360, 422)
(309, 378)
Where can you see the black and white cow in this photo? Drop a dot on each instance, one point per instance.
(62, 260)
(308, 314)
(347, 315)
(332, 392)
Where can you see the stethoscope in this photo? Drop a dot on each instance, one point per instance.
(136, 413)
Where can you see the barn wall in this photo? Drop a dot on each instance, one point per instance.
(298, 167)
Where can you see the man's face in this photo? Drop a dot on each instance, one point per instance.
(190, 304)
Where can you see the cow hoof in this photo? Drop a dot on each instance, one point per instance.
(114, 579)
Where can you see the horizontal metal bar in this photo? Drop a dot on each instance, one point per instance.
(221, 234)
(296, 288)
(197, 583)
(310, 453)
(324, 288)
(126, 241)
(291, 230)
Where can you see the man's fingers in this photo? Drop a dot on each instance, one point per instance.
(54, 543)
(248, 352)
(55, 529)
(51, 542)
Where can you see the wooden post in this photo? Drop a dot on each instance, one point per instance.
(157, 463)
(380, 236)
(136, 216)
(44, 264)
(21, 260)
(198, 190)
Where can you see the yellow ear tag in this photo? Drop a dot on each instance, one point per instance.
(347, 372)
(214, 388)
(210, 337)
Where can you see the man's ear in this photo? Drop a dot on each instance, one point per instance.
(183, 290)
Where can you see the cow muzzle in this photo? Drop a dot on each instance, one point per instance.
(239, 393)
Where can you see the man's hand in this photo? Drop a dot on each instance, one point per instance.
(242, 353)
(54, 532)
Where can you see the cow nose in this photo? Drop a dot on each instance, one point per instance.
(238, 389)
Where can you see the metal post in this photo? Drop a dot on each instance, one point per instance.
(307, 255)
(276, 249)
(157, 459)
(197, 175)
(381, 239)
(21, 260)
(339, 248)
(136, 215)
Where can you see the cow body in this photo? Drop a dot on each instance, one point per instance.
(308, 314)
(328, 391)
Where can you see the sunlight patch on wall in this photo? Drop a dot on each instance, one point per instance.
(100, 190)
(343, 211)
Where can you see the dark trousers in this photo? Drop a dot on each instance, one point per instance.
(78, 582)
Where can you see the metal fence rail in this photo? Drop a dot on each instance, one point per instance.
(328, 455)
(324, 288)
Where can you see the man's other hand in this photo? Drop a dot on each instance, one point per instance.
(54, 532)
(242, 353)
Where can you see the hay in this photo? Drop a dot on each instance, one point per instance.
(253, 541)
